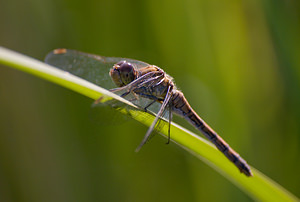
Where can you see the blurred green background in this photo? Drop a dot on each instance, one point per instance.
(237, 62)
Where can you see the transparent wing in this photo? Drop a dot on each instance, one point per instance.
(93, 68)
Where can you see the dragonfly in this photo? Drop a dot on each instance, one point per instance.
(141, 79)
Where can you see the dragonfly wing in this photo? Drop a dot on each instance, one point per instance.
(93, 68)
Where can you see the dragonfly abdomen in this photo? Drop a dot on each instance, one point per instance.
(181, 107)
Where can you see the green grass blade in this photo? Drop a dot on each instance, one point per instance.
(259, 187)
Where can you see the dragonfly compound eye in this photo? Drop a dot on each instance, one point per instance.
(123, 73)
(127, 72)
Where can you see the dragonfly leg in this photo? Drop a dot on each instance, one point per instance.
(135, 96)
(151, 97)
(98, 100)
(158, 116)
(151, 103)
(124, 94)
(170, 120)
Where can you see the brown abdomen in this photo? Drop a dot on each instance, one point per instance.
(181, 107)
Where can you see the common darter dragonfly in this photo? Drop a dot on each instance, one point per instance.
(141, 80)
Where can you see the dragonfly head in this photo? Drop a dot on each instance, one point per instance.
(123, 73)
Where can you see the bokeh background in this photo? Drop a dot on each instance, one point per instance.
(237, 62)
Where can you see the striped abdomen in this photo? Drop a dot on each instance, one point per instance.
(181, 107)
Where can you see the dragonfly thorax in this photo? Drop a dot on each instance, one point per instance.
(123, 73)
